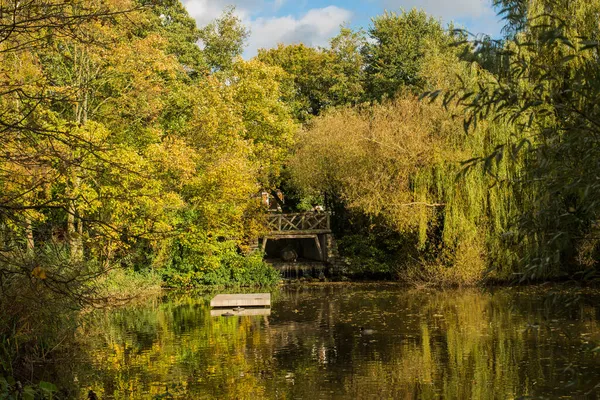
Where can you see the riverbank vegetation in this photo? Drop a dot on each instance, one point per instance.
(130, 155)
(479, 166)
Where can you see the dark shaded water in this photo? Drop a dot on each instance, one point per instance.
(481, 344)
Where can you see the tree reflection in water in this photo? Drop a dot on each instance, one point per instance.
(458, 344)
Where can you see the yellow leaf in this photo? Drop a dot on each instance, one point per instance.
(39, 273)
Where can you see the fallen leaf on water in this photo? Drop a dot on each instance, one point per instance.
(39, 272)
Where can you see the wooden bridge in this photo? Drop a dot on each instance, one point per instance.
(299, 223)
(297, 226)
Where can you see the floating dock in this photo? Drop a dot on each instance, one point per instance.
(241, 300)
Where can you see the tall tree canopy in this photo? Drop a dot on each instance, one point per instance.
(395, 55)
(223, 40)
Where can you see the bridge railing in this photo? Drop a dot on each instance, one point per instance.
(297, 222)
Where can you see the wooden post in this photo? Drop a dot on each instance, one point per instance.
(318, 243)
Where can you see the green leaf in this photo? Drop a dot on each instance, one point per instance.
(48, 387)
(3, 384)
(28, 393)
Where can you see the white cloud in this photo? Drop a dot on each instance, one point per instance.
(313, 28)
(204, 11)
(447, 9)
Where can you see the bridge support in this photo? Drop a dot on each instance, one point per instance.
(315, 237)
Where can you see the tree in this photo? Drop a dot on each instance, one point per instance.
(258, 90)
(394, 56)
(223, 40)
(348, 67)
(171, 20)
(321, 77)
(548, 99)
(116, 152)
(311, 72)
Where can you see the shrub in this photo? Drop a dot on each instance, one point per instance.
(463, 266)
(126, 283)
(226, 268)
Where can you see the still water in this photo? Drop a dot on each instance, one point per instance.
(482, 344)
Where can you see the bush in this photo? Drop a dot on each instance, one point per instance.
(11, 389)
(127, 283)
(226, 268)
(375, 253)
(464, 266)
(364, 255)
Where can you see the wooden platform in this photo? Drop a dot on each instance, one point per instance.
(242, 300)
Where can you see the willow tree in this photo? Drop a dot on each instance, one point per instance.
(401, 163)
(549, 100)
(398, 163)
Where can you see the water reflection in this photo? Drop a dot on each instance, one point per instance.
(426, 344)
(239, 312)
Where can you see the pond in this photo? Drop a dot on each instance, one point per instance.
(482, 344)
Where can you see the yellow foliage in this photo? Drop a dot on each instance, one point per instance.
(39, 273)
(372, 156)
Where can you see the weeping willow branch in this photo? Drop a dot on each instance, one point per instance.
(420, 203)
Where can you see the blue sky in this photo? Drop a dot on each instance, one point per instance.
(313, 22)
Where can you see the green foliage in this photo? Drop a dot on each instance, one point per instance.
(310, 69)
(268, 122)
(127, 284)
(353, 69)
(320, 77)
(181, 32)
(223, 40)
(226, 268)
(348, 67)
(395, 55)
(11, 390)
(366, 255)
(376, 252)
(548, 99)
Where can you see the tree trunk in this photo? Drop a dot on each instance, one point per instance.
(29, 236)
(71, 231)
(74, 222)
